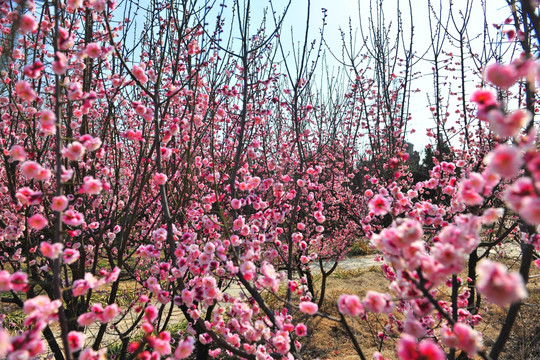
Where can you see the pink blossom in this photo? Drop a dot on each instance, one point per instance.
(4, 280)
(93, 50)
(503, 76)
(19, 281)
(37, 222)
(74, 151)
(73, 218)
(462, 337)
(160, 179)
(27, 24)
(505, 160)
(308, 307)
(409, 349)
(530, 210)
(300, 330)
(185, 348)
(70, 256)
(52, 251)
(59, 203)
(109, 313)
(25, 90)
(17, 153)
(30, 169)
(499, 286)
(379, 205)
(350, 305)
(92, 186)
(378, 303)
(47, 122)
(91, 354)
(60, 64)
(138, 72)
(484, 98)
(76, 340)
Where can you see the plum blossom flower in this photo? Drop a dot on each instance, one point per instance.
(92, 186)
(27, 24)
(160, 179)
(378, 303)
(17, 153)
(350, 305)
(379, 205)
(74, 151)
(308, 307)
(37, 222)
(505, 160)
(531, 210)
(52, 251)
(76, 340)
(462, 337)
(503, 76)
(73, 218)
(409, 349)
(47, 122)
(60, 64)
(499, 286)
(70, 256)
(93, 50)
(59, 203)
(185, 348)
(25, 90)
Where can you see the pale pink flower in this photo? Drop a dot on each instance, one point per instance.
(308, 307)
(70, 256)
(51, 251)
(47, 122)
(5, 345)
(185, 348)
(74, 151)
(25, 90)
(27, 24)
(92, 186)
(462, 337)
(378, 303)
(93, 50)
(91, 354)
(30, 169)
(19, 281)
(87, 319)
(60, 64)
(17, 153)
(73, 5)
(37, 222)
(160, 179)
(503, 76)
(350, 305)
(59, 203)
(109, 313)
(138, 72)
(505, 160)
(499, 286)
(530, 210)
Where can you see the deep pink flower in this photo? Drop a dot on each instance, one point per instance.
(37, 221)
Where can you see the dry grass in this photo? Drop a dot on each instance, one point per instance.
(328, 340)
